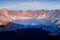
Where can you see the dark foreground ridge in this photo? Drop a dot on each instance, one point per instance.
(27, 34)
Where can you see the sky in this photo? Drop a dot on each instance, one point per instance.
(30, 4)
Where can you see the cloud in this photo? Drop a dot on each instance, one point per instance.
(30, 5)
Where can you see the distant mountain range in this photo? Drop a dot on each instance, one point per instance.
(13, 19)
(7, 16)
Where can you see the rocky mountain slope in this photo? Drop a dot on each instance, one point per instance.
(7, 16)
(50, 18)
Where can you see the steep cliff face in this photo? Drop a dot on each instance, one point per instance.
(7, 16)
(48, 18)
(4, 15)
